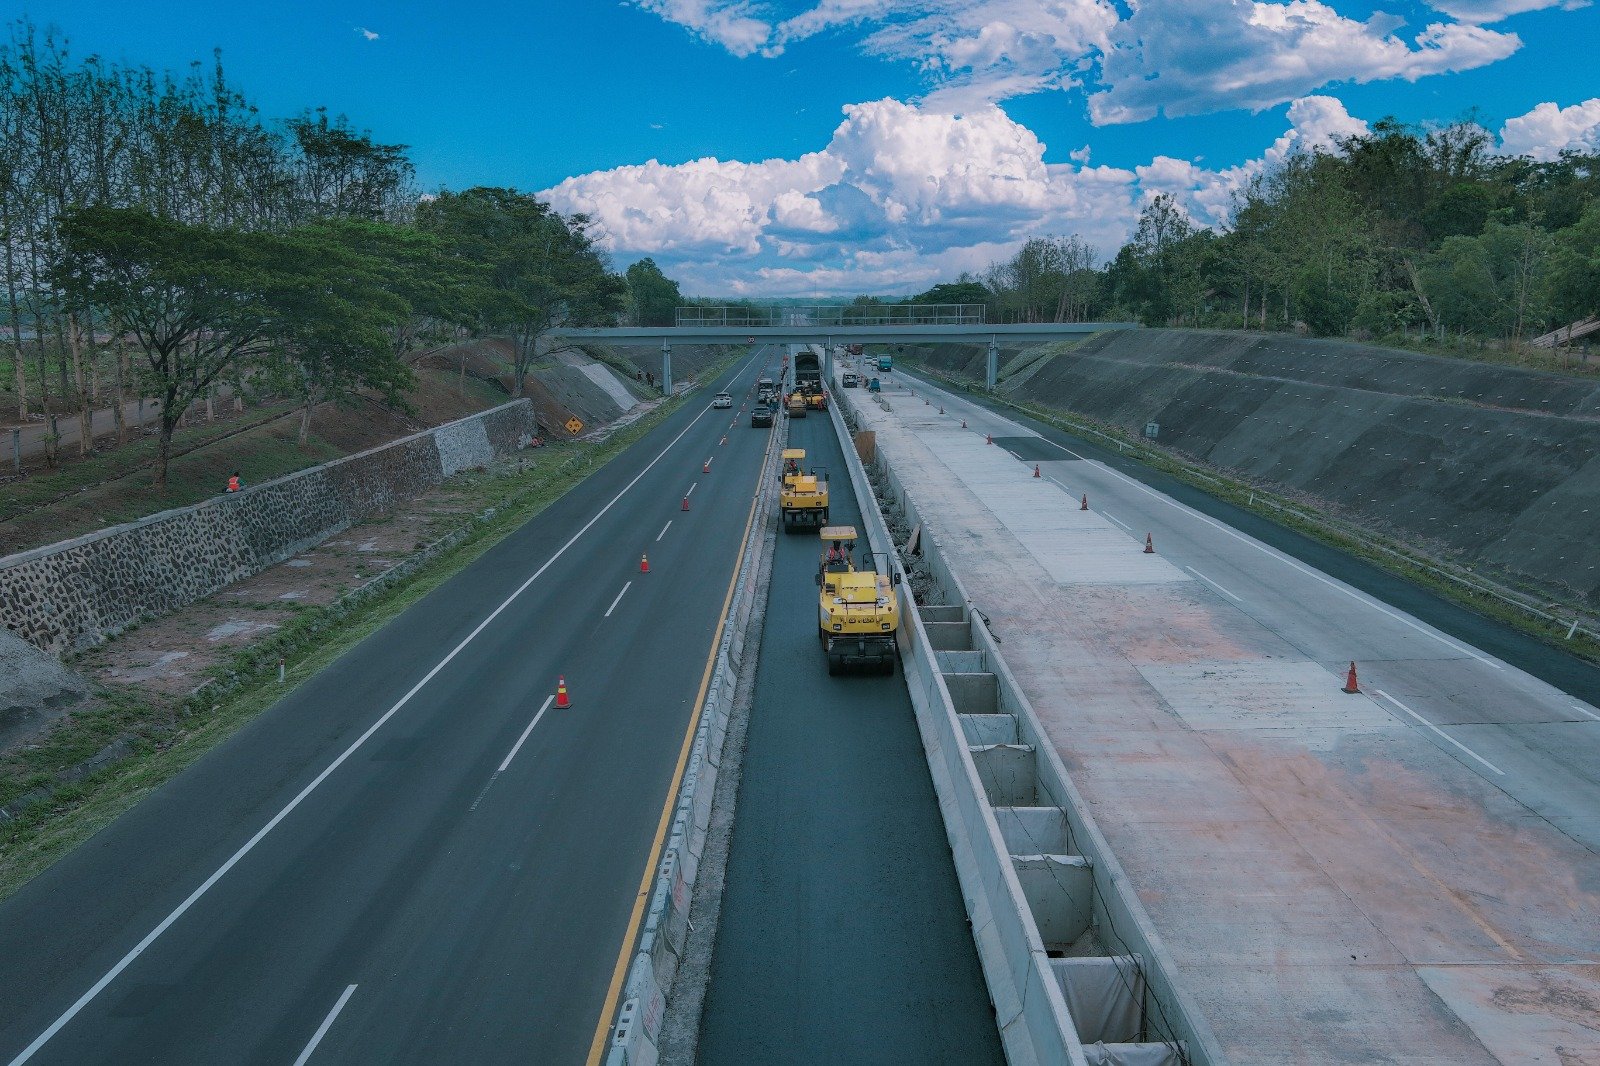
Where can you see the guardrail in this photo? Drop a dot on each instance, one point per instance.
(654, 968)
(1038, 878)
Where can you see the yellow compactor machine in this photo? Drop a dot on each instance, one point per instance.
(858, 615)
(803, 498)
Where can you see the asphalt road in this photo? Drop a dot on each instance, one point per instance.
(843, 937)
(404, 860)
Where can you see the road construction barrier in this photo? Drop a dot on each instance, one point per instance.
(637, 1031)
(1076, 972)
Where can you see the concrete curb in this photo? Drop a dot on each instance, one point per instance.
(1015, 770)
(636, 1036)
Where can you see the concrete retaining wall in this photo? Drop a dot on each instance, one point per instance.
(1495, 466)
(79, 592)
(654, 968)
(1038, 878)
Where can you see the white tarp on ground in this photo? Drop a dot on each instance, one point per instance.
(1132, 1055)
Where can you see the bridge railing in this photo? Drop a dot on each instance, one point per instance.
(744, 316)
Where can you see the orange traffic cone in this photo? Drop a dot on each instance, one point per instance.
(644, 564)
(1350, 684)
(707, 468)
(1149, 544)
(941, 408)
(563, 701)
(963, 423)
(1084, 506)
(686, 503)
(988, 438)
(1036, 470)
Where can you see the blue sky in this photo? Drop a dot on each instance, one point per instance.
(816, 147)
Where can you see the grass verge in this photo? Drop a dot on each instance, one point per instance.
(1439, 576)
(54, 794)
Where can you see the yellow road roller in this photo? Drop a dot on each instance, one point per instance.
(858, 614)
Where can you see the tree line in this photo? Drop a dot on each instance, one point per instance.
(157, 230)
(1397, 233)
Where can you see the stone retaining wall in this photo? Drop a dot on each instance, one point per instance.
(79, 592)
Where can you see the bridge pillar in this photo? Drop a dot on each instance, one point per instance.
(827, 359)
(992, 371)
(666, 368)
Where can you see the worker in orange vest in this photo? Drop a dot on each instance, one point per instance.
(234, 482)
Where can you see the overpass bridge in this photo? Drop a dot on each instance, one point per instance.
(829, 325)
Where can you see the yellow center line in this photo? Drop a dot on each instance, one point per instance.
(609, 1008)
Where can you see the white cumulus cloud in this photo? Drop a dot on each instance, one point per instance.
(901, 197)
(1131, 59)
(366, 33)
(1543, 132)
(1188, 57)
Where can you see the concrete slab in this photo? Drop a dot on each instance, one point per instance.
(1336, 879)
(1288, 699)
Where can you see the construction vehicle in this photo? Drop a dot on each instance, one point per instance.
(858, 613)
(803, 497)
(816, 399)
(797, 405)
(807, 370)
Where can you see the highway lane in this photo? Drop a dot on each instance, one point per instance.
(1510, 709)
(843, 936)
(455, 880)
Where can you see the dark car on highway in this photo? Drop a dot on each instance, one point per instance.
(850, 381)
(760, 415)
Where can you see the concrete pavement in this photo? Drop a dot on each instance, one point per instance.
(1408, 875)
(411, 857)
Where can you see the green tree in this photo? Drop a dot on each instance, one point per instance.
(541, 268)
(653, 298)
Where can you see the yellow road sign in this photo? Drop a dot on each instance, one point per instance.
(574, 425)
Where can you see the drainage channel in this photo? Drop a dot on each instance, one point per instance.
(842, 935)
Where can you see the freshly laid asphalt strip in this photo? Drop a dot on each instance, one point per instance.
(843, 938)
(1567, 672)
(478, 911)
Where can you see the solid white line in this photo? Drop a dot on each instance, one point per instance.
(663, 531)
(327, 1023)
(1441, 732)
(249, 845)
(692, 488)
(1208, 581)
(1585, 710)
(618, 600)
(1119, 522)
(512, 754)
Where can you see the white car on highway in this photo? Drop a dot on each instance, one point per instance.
(722, 400)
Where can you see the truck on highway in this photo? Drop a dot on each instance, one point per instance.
(858, 614)
(885, 363)
(803, 497)
(767, 392)
(807, 370)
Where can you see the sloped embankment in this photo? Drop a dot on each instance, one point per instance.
(1497, 467)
